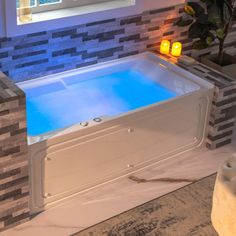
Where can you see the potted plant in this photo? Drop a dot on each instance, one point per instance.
(211, 21)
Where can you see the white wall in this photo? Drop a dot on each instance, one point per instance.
(12, 29)
(2, 19)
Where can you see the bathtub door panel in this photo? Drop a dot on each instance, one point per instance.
(87, 163)
(166, 133)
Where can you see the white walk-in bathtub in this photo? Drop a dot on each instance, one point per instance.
(91, 125)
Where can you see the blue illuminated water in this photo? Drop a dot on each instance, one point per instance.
(55, 106)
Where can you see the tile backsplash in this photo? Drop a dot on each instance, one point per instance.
(34, 55)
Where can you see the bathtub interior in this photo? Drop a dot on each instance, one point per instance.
(106, 90)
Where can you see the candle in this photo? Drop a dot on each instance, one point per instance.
(176, 49)
(25, 14)
(165, 47)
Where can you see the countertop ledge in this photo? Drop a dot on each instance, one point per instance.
(8, 90)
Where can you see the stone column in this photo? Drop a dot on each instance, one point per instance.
(14, 177)
(224, 200)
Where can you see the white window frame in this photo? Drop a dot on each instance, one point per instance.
(64, 4)
(62, 18)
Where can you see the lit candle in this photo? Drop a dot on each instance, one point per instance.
(165, 47)
(176, 49)
(25, 14)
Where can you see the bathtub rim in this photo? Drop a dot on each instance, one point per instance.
(203, 85)
(101, 65)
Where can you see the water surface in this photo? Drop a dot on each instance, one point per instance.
(54, 106)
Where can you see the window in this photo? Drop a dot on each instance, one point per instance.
(47, 5)
(35, 3)
(79, 15)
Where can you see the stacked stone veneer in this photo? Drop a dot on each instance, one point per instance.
(33, 55)
(223, 112)
(14, 183)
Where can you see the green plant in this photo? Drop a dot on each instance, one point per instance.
(209, 20)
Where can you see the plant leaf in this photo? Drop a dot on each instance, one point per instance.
(189, 10)
(203, 19)
(197, 30)
(210, 39)
(197, 8)
(207, 1)
(185, 20)
(227, 12)
(220, 33)
(194, 31)
(200, 44)
(214, 14)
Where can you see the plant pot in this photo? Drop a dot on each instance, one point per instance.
(228, 67)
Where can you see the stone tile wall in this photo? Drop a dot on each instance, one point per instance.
(14, 183)
(33, 55)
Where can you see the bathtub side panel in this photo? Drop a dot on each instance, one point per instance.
(78, 161)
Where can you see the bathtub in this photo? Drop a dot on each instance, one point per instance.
(117, 118)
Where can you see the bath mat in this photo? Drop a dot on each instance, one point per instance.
(184, 212)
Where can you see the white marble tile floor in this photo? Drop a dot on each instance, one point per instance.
(99, 204)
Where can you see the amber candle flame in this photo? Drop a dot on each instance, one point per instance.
(176, 49)
(165, 47)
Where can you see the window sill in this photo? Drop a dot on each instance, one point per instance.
(78, 11)
(53, 20)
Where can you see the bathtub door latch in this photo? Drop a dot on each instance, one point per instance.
(47, 195)
(97, 119)
(130, 166)
(84, 124)
(130, 130)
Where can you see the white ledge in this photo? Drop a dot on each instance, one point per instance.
(78, 11)
(58, 19)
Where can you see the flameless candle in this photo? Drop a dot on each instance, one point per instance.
(165, 47)
(25, 14)
(176, 49)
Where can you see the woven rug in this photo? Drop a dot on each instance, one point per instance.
(184, 212)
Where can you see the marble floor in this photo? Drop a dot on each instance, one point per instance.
(113, 198)
(173, 214)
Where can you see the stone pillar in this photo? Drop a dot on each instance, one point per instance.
(224, 200)
(14, 177)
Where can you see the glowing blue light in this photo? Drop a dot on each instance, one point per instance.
(54, 106)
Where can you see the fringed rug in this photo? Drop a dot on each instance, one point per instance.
(184, 212)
